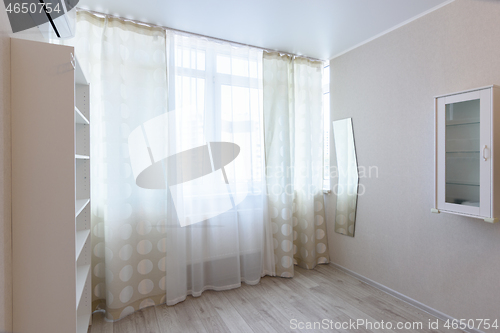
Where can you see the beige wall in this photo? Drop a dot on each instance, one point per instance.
(447, 262)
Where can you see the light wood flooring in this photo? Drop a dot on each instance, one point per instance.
(311, 296)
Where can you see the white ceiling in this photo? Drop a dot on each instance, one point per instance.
(320, 29)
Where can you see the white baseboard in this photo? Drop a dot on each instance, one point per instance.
(402, 297)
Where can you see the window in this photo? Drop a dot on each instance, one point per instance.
(238, 94)
(219, 93)
(326, 114)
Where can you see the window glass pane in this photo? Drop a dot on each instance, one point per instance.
(257, 160)
(236, 66)
(241, 104)
(178, 57)
(223, 65)
(235, 103)
(193, 59)
(241, 172)
(255, 106)
(189, 108)
(185, 58)
(239, 67)
(201, 60)
(240, 115)
(226, 103)
(200, 100)
(190, 58)
(254, 71)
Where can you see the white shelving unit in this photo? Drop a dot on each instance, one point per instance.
(80, 205)
(50, 189)
(82, 157)
(80, 118)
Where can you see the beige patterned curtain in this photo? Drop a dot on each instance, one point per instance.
(293, 121)
(126, 67)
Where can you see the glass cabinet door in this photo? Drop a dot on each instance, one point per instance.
(463, 153)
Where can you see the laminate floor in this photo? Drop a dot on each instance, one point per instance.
(324, 295)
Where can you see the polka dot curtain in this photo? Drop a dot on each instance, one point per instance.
(126, 66)
(293, 120)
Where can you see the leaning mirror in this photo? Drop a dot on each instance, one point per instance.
(348, 179)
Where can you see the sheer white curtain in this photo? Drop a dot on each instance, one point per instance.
(215, 101)
(178, 184)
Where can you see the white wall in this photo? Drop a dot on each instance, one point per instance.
(447, 262)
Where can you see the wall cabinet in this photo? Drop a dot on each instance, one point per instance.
(50, 189)
(468, 153)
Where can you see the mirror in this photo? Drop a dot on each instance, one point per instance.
(348, 178)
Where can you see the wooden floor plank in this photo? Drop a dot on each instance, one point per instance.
(294, 292)
(247, 311)
(271, 315)
(126, 325)
(185, 310)
(204, 308)
(228, 313)
(167, 319)
(146, 321)
(268, 307)
(215, 324)
(99, 324)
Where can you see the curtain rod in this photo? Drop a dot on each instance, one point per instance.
(194, 34)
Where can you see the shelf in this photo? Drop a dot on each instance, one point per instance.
(464, 151)
(462, 184)
(82, 323)
(82, 157)
(81, 238)
(82, 273)
(80, 118)
(464, 203)
(80, 205)
(459, 123)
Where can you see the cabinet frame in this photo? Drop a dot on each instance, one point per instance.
(489, 98)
